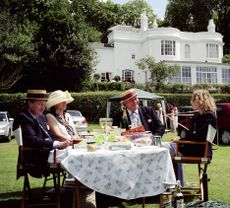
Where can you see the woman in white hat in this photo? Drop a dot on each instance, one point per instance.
(61, 126)
(60, 122)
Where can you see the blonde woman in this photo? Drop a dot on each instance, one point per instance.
(204, 104)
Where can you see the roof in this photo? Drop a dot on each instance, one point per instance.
(141, 94)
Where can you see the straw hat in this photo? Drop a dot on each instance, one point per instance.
(127, 95)
(36, 95)
(57, 97)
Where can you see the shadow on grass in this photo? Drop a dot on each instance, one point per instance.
(10, 200)
(13, 199)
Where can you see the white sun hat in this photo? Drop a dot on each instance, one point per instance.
(57, 97)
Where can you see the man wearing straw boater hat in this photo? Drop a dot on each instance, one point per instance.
(136, 115)
(35, 132)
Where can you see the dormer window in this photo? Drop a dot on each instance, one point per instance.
(168, 47)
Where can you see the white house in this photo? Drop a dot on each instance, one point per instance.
(198, 54)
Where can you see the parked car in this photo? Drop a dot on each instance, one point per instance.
(223, 121)
(6, 124)
(79, 120)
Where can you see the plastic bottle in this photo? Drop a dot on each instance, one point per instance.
(178, 198)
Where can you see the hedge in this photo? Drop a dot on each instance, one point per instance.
(166, 88)
(93, 104)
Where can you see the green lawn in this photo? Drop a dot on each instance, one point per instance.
(218, 172)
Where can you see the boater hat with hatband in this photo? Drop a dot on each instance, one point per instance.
(127, 95)
(57, 97)
(36, 95)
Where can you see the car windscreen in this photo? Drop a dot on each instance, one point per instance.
(74, 113)
(2, 117)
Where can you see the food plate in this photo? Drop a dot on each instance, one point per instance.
(114, 146)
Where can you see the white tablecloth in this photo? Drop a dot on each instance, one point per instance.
(127, 174)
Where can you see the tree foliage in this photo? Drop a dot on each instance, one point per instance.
(160, 71)
(50, 42)
(63, 52)
(46, 41)
(103, 15)
(226, 59)
(17, 48)
(193, 15)
(133, 10)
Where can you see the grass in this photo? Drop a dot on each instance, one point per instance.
(218, 172)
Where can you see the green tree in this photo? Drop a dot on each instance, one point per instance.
(226, 59)
(96, 77)
(64, 54)
(193, 15)
(133, 10)
(160, 71)
(17, 48)
(103, 15)
(99, 15)
(59, 42)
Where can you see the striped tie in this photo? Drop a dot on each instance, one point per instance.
(135, 120)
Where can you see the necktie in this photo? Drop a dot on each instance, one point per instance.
(135, 120)
(44, 130)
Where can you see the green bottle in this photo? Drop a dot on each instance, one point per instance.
(178, 198)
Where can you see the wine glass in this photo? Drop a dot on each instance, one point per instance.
(104, 122)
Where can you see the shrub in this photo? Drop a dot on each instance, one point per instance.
(93, 104)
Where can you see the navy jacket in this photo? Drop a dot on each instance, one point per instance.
(149, 120)
(198, 132)
(35, 134)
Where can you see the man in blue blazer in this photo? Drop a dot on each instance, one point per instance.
(134, 115)
(35, 134)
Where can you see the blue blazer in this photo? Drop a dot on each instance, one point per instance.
(35, 134)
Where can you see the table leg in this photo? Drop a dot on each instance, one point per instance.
(77, 195)
(143, 202)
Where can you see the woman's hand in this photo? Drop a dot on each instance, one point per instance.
(177, 138)
(76, 137)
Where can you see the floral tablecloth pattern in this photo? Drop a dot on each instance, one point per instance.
(127, 174)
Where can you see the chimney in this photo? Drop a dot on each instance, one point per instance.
(211, 26)
(144, 21)
(154, 25)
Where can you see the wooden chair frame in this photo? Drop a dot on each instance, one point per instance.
(202, 162)
(53, 169)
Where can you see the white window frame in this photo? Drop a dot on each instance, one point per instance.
(225, 75)
(127, 75)
(212, 51)
(106, 76)
(168, 47)
(206, 75)
(184, 75)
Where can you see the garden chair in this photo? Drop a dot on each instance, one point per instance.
(54, 169)
(202, 163)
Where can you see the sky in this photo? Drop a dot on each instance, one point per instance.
(158, 6)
